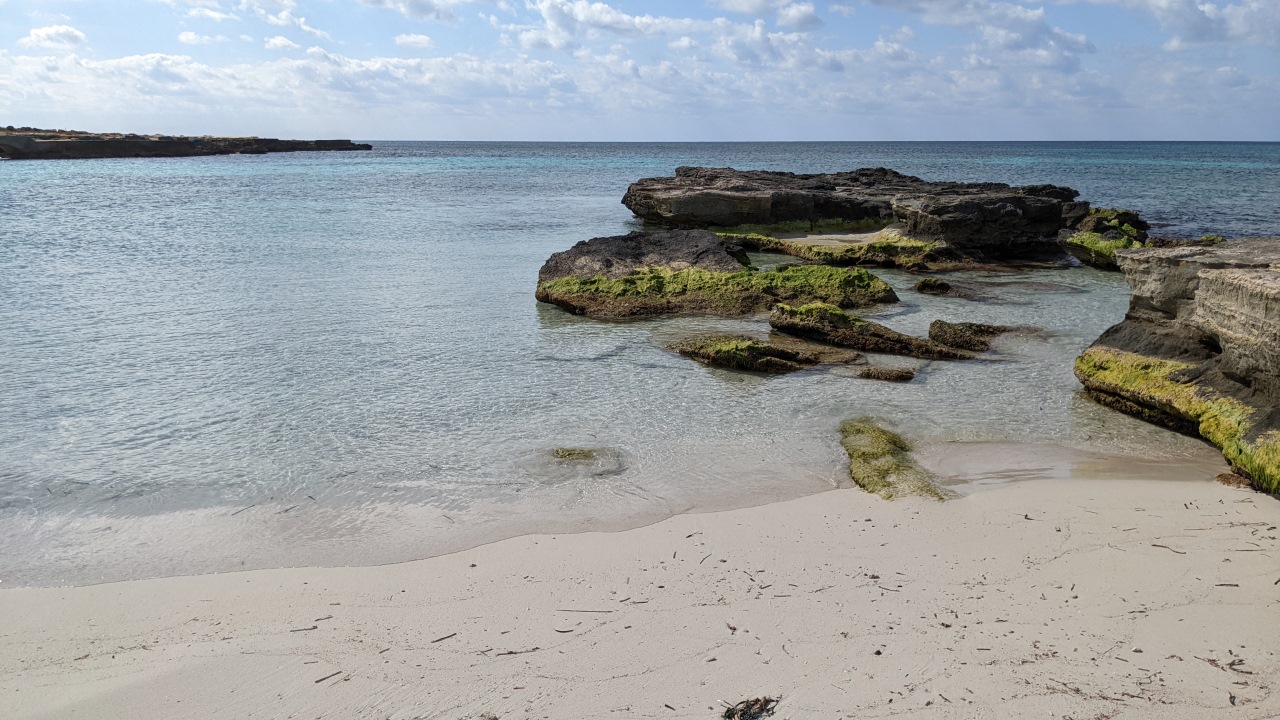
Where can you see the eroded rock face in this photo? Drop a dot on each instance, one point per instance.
(619, 255)
(1199, 348)
(969, 219)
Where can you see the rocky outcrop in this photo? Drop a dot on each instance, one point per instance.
(689, 272)
(33, 144)
(738, 352)
(828, 324)
(1100, 234)
(619, 255)
(1199, 349)
(965, 220)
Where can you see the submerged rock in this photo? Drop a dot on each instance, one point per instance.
(689, 272)
(829, 324)
(961, 220)
(933, 286)
(965, 335)
(877, 372)
(738, 352)
(1199, 350)
(879, 462)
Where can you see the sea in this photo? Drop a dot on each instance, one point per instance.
(226, 363)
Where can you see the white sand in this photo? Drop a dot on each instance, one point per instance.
(1050, 599)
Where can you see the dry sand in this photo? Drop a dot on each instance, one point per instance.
(1081, 599)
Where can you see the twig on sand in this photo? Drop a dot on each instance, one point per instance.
(1166, 547)
(442, 639)
(586, 611)
(243, 509)
(326, 677)
(518, 652)
(313, 627)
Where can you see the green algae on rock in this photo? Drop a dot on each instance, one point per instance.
(827, 323)
(1151, 388)
(933, 286)
(879, 462)
(567, 453)
(965, 335)
(1104, 232)
(655, 291)
(738, 352)
(886, 248)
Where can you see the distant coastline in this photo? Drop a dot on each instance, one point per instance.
(27, 143)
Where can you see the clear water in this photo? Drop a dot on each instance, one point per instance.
(333, 358)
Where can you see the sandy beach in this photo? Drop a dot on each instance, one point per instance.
(1054, 599)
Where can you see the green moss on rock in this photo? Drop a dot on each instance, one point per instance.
(826, 323)
(738, 352)
(879, 462)
(876, 372)
(573, 454)
(1093, 249)
(890, 249)
(1143, 386)
(933, 286)
(661, 291)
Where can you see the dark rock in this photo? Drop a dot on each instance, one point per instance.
(933, 286)
(689, 272)
(738, 352)
(876, 372)
(829, 324)
(968, 220)
(965, 335)
(619, 255)
(1199, 349)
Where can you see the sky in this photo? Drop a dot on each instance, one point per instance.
(623, 70)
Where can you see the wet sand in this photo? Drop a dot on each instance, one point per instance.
(1079, 598)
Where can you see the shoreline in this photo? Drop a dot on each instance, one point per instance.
(1081, 597)
(274, 534)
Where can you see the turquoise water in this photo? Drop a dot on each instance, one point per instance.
(332, 358)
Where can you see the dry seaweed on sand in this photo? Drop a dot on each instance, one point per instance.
(751, 709)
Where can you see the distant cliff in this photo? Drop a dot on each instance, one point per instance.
(34, 144)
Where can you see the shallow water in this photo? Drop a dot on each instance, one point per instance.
(217, 363)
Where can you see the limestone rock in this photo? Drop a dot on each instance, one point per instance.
(1199, 349)
(830, 324)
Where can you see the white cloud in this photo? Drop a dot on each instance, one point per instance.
(280, 42)
(750, 7)
(419, 9)
(53, 36)
(418, 41)
(190, 38)
(839, 9)
(208, 13)
(683, 42)
(282, 16)
(800, 16)
(1255, 22)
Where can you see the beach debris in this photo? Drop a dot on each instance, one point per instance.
(752, 709)
(243, 509)
(1166, 547)
(313, 627)
(326, 677)
(442, 639)
(518, 652)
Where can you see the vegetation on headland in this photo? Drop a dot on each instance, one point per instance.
(829, 324)
(662, 291)
(879, 462)
(1146, 383)
(890, 249)
(742, 353)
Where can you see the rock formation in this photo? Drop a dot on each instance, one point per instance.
(1199, 349)
(829, 324)
(737, 352)
(689, 272)
(965, 335)
(966, 220)
(34, 144)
